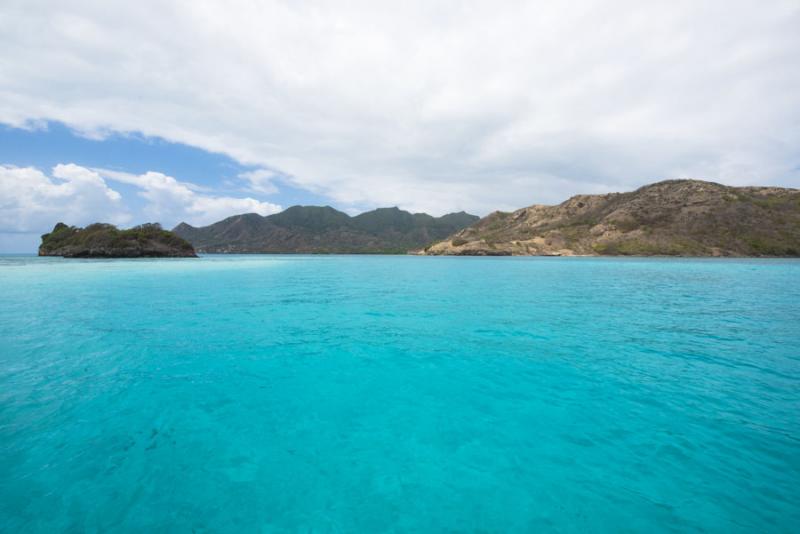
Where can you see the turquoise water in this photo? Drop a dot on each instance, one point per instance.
(409, 394)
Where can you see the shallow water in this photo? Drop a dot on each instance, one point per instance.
(376, 393)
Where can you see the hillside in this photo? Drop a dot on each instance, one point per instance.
(324, 230)
(107, 241)
(674, 218)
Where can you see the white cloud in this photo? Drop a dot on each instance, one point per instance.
(261, 181)
(429, 105)
(170, 201)
(32, 202)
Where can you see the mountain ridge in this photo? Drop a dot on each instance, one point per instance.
(323, 230)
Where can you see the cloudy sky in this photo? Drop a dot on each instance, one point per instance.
(192, 111)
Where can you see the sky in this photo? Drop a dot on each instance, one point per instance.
(170, 111)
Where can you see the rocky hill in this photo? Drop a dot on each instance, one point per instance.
(107, 241)
(674, 218)
(314, 230)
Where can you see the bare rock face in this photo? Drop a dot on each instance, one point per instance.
(672, 218)
(107, 241)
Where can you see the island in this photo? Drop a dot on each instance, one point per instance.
(668, 218)
(107, 241)
(324, 230)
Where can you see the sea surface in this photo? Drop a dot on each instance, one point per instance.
(399, 394)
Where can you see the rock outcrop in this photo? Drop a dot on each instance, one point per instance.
(107, 241)
(672, 218)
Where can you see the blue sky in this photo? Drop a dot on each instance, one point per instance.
(51, 143)
(109, 113)
(216, 175)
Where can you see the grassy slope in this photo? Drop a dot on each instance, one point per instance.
(676, 217)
